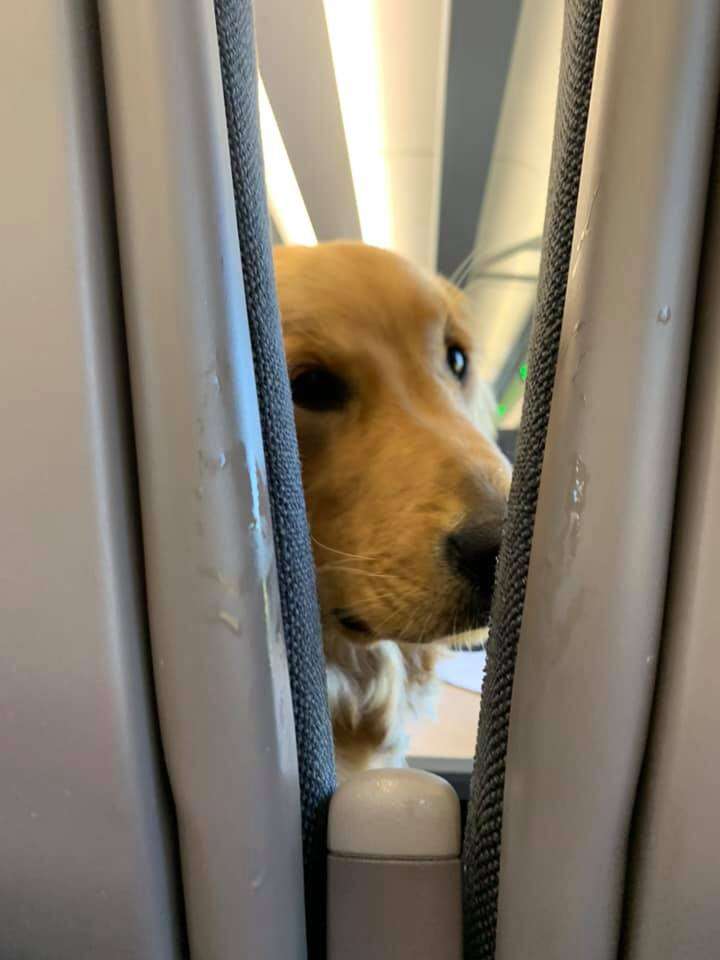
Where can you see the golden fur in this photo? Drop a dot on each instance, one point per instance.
(405, 459)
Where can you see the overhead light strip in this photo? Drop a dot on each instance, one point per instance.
(285, 199)
(353, 34)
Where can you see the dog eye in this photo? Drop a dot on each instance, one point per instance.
(457, 360)
(316, 388)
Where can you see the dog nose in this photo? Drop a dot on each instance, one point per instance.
(472, 553)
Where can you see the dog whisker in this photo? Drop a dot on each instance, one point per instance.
(342, 553)
(364, 573)
(381, 602)
(338, 564)
(426, 625)
(406, 628)
(409, 628)
(394, 612)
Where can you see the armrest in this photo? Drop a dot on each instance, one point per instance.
(394, 876)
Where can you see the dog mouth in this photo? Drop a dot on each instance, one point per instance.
(474, 614)
(350, 622)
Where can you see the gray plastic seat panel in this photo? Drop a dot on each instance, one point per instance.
(297, 69)
(87, 861)
(675, 867)
(595, 592)
(218, 649)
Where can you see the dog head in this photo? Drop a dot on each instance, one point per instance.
(406, 490)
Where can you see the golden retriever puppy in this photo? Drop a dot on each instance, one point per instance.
(405, 488)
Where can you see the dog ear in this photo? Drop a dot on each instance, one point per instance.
(455, 298)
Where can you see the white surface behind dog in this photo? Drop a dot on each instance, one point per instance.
(464, 670)
(452, 731)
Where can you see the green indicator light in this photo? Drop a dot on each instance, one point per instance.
(502, 409)
(523, 372)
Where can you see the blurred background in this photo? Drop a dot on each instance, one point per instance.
(424, 126)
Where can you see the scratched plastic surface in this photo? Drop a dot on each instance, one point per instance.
(595, 595)
(224, 698)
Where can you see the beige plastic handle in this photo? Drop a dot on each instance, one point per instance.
(394, 879)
